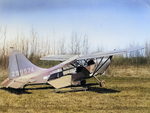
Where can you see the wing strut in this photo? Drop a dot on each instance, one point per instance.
(102, 83)
(98, 66)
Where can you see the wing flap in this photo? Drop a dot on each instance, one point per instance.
(61, 82)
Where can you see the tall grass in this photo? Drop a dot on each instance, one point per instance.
(130, 61)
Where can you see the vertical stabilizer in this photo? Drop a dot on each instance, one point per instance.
(19, 65)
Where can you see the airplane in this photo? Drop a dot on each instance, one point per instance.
(72, 71)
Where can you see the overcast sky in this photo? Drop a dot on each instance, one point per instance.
(108, 23)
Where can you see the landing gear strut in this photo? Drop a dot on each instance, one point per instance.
(102, 83)
(99, 66)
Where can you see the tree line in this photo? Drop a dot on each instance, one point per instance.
(34, 47)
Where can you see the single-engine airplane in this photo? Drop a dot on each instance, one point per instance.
(73, 71)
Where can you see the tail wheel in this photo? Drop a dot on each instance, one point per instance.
(83, 82)
(102, 83)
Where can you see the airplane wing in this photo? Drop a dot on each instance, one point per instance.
(110, 53)
(57, 57)
(89, 56)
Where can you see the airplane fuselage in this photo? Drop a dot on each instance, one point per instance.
(81, 72)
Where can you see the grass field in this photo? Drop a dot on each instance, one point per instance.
(127, 91)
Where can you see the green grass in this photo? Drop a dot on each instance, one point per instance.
(124, 93)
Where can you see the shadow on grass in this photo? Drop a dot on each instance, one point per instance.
(102, 90)
(99, 89)
(25, 90)
(89, 85)
(39, 88)
(16, 91)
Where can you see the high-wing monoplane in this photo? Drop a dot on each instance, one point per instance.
(72, 71)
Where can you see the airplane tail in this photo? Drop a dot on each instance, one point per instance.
(19, 65)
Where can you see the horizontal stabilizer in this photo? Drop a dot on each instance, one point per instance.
(5, 82)
(25, 80)
(18, 83)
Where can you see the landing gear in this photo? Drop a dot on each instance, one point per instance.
(98, 67)
(102, 83)
(83, 83)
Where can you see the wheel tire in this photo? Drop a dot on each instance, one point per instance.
(102, 83)
(83, 82)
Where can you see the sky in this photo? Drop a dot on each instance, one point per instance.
(109, 24)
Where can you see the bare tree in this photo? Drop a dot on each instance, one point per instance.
(61, 46)
(75, 47)
(85, 46)
(147, 51)
(100, 49)
(54, 42)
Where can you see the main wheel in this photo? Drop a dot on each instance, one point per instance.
(83, 82)
(102, 83)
